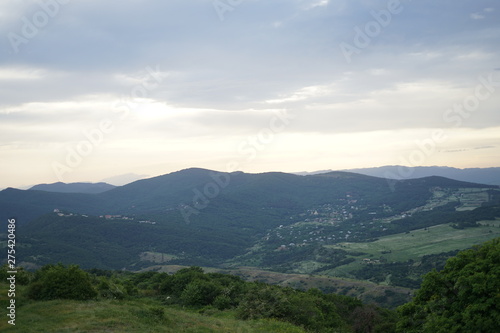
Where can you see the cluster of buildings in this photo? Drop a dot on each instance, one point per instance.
(107, 217)
(116, 217)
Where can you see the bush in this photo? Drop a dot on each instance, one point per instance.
(200, 293)
(309, 310)
(222, 302)
(174, 285)
(111, 290)
(60, 282)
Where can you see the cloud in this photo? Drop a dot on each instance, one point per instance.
(485, 147)
(303, 94)
(22, 74)
(220, 81)
(477, 16)
(316, 3)
(468, 149)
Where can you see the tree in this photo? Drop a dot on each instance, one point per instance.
(463, 297)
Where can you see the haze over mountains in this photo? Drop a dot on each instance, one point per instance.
(74, 187)
(490, 176)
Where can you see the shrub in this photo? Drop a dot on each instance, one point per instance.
(222, 302)
(200, 293)
(60, 282)
(111, 290)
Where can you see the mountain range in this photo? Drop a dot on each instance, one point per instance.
(204, 216)
(338, 224)
(193, 191)
(74, 187)
(489, 176)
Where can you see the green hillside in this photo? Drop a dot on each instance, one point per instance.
(324, 224)
(60, 298)
(128, 316)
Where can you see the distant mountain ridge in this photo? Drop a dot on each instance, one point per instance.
(488, 176)
(273, 221)
(204, 217)
(203, 192)
(59, 187)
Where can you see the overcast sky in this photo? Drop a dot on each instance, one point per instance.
(94, 89)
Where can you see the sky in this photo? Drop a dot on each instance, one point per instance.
(91, 90)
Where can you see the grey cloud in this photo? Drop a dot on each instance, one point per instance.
(209, 122)
(262, 50)
(460, 150)
(484, 147)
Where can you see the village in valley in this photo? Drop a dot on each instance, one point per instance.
(349, 220)
(105, 217)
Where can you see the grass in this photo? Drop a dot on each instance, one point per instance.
(157, 257)
(405, 246)
(134, 315)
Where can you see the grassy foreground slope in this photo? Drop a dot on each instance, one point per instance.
(57, 298)
(137, 315)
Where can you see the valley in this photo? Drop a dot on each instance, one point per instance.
(302, 231)
(330, 241)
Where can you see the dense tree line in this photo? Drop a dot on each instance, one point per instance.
(463, 297)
